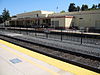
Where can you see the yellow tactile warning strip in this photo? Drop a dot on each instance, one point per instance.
(60, 64)
(38, 65)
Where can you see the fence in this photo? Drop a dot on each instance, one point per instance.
(59, 35)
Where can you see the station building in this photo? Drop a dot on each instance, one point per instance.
(81, 19)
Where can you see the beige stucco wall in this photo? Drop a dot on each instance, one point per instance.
(61, 21)
(68, 22)
(29, 14)
(47, 12)
(88, 20)
(80, 20)
(95, 19)
(33, 14)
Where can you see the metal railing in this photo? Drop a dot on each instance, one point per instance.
(76, 37)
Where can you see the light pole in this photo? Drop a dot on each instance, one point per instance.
(37, 24)
(82, 36)
(61, 35)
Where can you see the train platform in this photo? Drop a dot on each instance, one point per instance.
(93, 50)
(16, 60)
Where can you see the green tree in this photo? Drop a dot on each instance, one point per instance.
(78, 8)
(99, 5)
(1, 21)
(5, 15)
(84, 7)
(94, 6)
(72, 7)
(62, 11)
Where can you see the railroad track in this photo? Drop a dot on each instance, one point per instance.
(82, 60)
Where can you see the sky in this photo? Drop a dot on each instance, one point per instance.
(21, 6)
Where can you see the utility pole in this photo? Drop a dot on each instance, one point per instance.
(37, 24)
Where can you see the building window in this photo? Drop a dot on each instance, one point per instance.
(72, 24)
(52, 23)
(55, 23)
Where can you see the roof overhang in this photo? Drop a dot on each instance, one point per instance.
(61, 17)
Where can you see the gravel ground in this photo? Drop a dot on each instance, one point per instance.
(66, 46)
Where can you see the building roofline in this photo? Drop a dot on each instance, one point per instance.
(46, 17)
(34, 11)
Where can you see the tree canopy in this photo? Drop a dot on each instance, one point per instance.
(5, 15)
(72, 7)
(84, 7)
(62, 11)
(78, 8)
(1, 21)
(94, 6)
(99, 6)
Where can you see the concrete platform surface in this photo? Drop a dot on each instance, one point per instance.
(15, 60)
